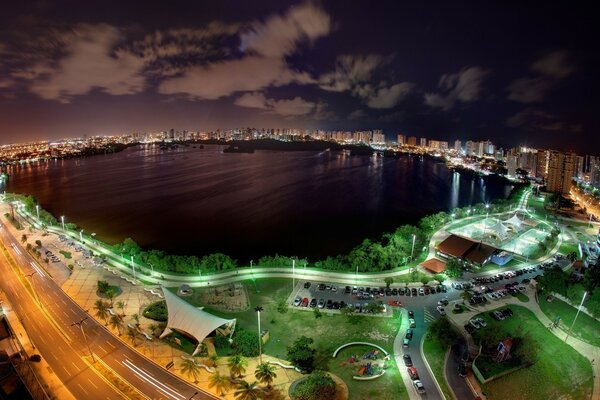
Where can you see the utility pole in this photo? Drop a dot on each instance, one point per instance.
(80, 325)
(258, 309)
(576, 315)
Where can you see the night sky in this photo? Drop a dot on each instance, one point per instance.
(507, 71)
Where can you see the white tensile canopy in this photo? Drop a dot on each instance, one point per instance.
(186, 318)
(499, 229)
(514, 221)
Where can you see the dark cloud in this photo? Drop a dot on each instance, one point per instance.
(464, 86)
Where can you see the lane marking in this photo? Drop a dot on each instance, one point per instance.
(166, 389)
(92, 383)
(85, 391)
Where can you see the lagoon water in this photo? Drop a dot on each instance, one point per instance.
(197, 201)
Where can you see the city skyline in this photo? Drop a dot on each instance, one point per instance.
(100, 70)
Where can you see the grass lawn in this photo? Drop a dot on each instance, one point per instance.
(568, 248)
(436, 355)
(388, 387)
(522, 297)
(586, 328)
(329, 332)
(66, 254)
(559, 373)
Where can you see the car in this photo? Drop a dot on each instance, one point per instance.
(411, 314)
(321, 303)
(469, 328)
(462, 370)
(375, 292)
(421, 291)
(306, 285)
(349, 305)
(419, 386)
(388, 292)
(426, 290)
(401, 291)
(327, 287)
(395, 292)
(329, 304)
(497, 315)
(409, 334)
(342, 304)
(304, 302)
(348, 290)
(438, 289)
(313, 303)
(412, 323)
(334, 288)
(441, 310)
(413, 292)
(405, 342)
(481, 322)
(321, 286)
(297, 301)
(368, 290)
(444, 289)
(407, 360)
(357, 308)
(412, 372)
(35, 358)
(335, 305)
(474, 323)
(525, 281)
(354, 290)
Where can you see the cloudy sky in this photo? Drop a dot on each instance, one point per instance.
(508, 72)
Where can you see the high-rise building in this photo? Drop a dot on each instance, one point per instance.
(541, 169)
(423, 142)
(378, 137)
(401, 140)
(511, 165)
(594, 163)
(412, 141)
(457, 145)
(578, 169)
(560, 171)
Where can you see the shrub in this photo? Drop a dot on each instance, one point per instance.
(221, 341)
(246, 343)
(318, 386)
(157, 311)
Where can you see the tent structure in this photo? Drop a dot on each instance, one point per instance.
(192, 321)
(499, 230)
(514, 221)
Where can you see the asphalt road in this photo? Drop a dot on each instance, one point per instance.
(63, 345)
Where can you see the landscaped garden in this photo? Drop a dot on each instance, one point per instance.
(550, 369)
(435, 353)
(328, 330)
(586, 328)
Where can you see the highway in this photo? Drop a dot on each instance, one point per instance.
(63, 345)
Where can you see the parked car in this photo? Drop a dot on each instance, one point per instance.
(411, 314)
(412, 323)
(412, 372)
(419, 386)
(329, 304)
(313, 303)
(481, 322)
(348, 290)
(407, 360)
(421, 291)
(405, 342)
(441, 310)
(409, 334)
(321, 303)
(474, 323)
(306, 285)
(304, 302)
(297, 301)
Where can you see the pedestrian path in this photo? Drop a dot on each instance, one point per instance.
(428, 317)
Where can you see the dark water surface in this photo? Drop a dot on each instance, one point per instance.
(199, 201)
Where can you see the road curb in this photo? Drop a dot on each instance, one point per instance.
(446, 376)
(429, 367)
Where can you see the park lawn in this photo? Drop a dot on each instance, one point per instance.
(388, 387)
(567, 248)
(522, 297)
(559, 373)
(329, 332)
(436, 357)
(586, 328)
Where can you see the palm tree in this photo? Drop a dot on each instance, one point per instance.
(101, 310)
(265, 373)
(136, 318)
(248, 391)
(116, 322)
(111, 293)
(237, 366)
(154, 329)
(272, 393)
(132, 334)
(121, 306)
(221, 383)
(212, 360)
(190, 368)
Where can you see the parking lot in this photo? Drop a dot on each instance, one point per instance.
(333, 297)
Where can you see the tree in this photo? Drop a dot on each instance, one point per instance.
(116, 322)
(237, 366)
(318, 386)
(246, 343)
(388, 281)
(121, 307)
(132, 334)
(554, 280)
(442, 330)
(248, 391)
(136, 319)
(575, 292)
(273, 393)
(265, 373)
(221, 383)
(23, 238)
(190, 368)
(317, 313)
(221, 341)
(526, 349)
(101, 310)
(425, 280)
(373, 308)
(440, 278)
(466, 295)
(38, 243)
(453, 268)
(301, 354)
(103, 286)
(593, 303)
(110, 294)
(282, 306)
(591, 279)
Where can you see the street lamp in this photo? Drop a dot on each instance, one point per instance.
(575, 319)
(293, 273)
(80, 325)
(133, 267)
(37, 209)
(81, 236)
(258, 309)
(194, 395)
(30, 276)
(62, 219)
(412, 251)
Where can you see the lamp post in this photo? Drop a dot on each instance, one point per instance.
(575, 319)
(258, 309)
(412, 251)
(30, 276)
(194, 395)
(356, 276)
(80, 325)
(62, 219)
(293, 273)
(37, 209)
(133, 267)
(81, 236)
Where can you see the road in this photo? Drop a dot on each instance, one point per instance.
(63, 345)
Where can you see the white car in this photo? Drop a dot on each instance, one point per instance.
(421, 292)
(334, 288)
(419, 386)
(441, 310)
(412, 323)
(297, 301)
(481, 322)
(474, 323)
